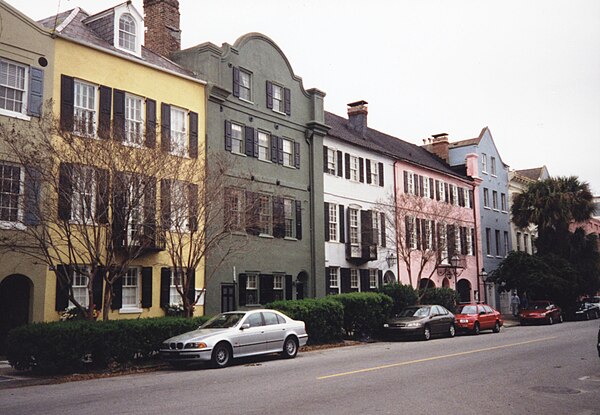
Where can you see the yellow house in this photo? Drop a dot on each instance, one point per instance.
(129, 145)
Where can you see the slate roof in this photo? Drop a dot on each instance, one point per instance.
(386, 144)
(77, 30)
(469, 141)
(533, 174)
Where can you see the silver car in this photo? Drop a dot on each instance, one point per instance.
(236, 334)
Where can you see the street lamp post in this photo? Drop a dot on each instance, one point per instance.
(484, 277)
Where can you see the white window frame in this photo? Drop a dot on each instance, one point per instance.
(374, 172)
(236, 209)
(175, 281)
(429, 224)
(442, 190)
(466, 192)
(85, 108)
(278, 281)
(237, 138)
(373, 280)
(519, 241)
(80, 281)
(179, 132)
(495, 199)
(7, 197)
(84, 195)
(134, 120)
(526, 243)
(264, 146)
(354, 279)
(493, 165)
(426, 187)
(135, 211)
(486, 198)
(130, 291)
(252, 289)
(333, 222)
(454, 190)
(20, 86)
(278, 99)
(138, 33)
(413, 232)
(354, 169)
(410, 179)
(331, 161)
(354, 226)
(503, 202)
(488, 241)
(376, 228)
(245, 85)
(180, 214)
(287, 148)
(265, 215)
(484, 163)
(289, 218)
(334, 279)
(469, 241)
(127, 35)
(443, 237)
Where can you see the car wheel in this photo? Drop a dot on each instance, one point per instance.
(476, 328)
(523, 323)
(496, 328)
(587, 316)
(550, 320)
(221, 355)
(596, 314)
(561, 319)
(426, 333)
(451, 331)
(290, 348)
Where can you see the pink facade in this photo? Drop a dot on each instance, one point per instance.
(438, 229)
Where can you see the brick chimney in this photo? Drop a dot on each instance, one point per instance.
(161, 18)
(439, 146)
(357, 115)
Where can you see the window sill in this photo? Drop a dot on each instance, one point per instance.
(487, 207)
(238, 153)
(246, 101)
(279, 112)
(264, 235)
(14, 226)
(289, 238)
(13, 114)
(265, 160)
(130, 310)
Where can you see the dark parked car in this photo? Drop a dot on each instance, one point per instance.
(476, 317)
(541, 312)
(583, 311)
(421, 321)
(598, 346)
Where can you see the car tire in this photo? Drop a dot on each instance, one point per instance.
(290, 348)
(451, 331)
(550, 320)
(426, 333)
(596, 314)
(523, 323)
(476, 328)
(221, 355)
(561, 319)
(587, 315)
(496, 328)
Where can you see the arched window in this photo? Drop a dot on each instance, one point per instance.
(127, 33)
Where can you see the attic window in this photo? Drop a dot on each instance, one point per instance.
(127, 33)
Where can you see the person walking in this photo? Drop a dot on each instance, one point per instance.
(514, 304)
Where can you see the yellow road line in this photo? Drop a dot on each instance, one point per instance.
(427, 359)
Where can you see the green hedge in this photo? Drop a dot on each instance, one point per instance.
(323, 317)
(75, 346)
(364, 312)
(446, 297)
(402, 295)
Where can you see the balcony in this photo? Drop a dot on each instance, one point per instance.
(358, 254)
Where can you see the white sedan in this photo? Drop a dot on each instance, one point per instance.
(236, 334)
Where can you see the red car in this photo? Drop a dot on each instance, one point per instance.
(476, 317)
(541, 312)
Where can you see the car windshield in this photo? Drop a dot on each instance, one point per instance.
(538, 306)
(414, 312)
(223, 321)
(467, 309)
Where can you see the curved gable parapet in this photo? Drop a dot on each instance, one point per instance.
(244, 40)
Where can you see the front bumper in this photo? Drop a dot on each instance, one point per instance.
(395, 331)
(533, 319)
(460, 326)
(186, 355)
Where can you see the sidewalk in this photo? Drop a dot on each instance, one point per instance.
(510, 321)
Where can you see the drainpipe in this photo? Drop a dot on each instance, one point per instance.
(311, 197)
(477, 233)
(396, 223)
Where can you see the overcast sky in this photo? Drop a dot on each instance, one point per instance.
(529, 70)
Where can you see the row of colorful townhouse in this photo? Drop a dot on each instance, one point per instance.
(247, 190)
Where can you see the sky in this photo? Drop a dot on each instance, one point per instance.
(528, 70)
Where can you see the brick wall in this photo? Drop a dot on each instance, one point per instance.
(161, 18)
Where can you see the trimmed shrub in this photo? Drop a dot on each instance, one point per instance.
(76, 346)
(364, 312)
(446, 297)
(402, 296)
(323, 317)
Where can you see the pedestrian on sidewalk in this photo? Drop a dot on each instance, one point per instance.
(514, 304)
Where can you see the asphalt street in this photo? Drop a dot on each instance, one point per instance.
(521, 370)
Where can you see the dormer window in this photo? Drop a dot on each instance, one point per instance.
(127, 33)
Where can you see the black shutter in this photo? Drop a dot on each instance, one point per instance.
(63, 281)
(451, 195)
(461, 197)
(249, 141)
(366, 227)
(266, 289)
(287, 101)
(102, 195)
(463, 240)
(368, 162)
(191, 293)
(35, 100)
(361, 170)
(421, 188)
(97, 284)
(65, 191)
(345, 277)
(347, 166)
(193, 207)
(327, 282)
(296, 154)
(451, 240)
(32, 196)
(278, 218)
(382, 224)
(431, 189)
(146, 287)
(446, 191)
(104, 111)
(242, 291)
(150, 210)
(165, 287)
(342, 224)
(326, 220)
(236, 82)
(119, 115)
(407, 231)
(424, 234)
(325, 163)
(364, 280)
(417, 231)
(119, 202)
(274, 153)
(298, 220)
(279, 150)
(150, 141)
(165, 127)
(269, 95)
(117, 290)
(405, 182)
(471, 198)
(255, 145)
(381, 182)
(227, 135)
(165, 204)
(437, 190)
(288, 287)
(339, 162)
(67, 92)
(193, 134)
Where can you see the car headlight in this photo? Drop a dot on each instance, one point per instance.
(195, 345)
(386, 325)
(414, 324)
(463, 320)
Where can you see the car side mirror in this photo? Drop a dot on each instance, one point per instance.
(245, 326)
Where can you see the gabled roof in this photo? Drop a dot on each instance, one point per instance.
(536, 173)
(387, 145)
(69, 24)
(469, 141)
